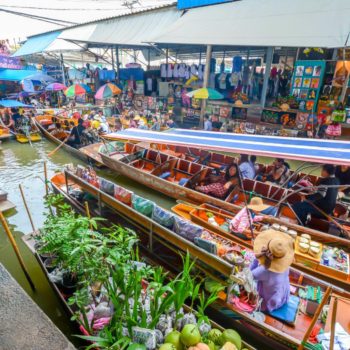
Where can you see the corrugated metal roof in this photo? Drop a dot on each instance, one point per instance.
(126, 14)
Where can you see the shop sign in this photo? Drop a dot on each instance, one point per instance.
(187, 4)
(10, 62)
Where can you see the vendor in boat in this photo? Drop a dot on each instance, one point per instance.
(74, 139)
(17, 118)
(342, 173)
(58, 131)
(325, 197)
(274, 251)
(223, 183)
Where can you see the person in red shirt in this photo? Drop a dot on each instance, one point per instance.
(221, 187)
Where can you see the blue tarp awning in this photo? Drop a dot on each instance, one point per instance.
(15, 74)
(36, 44)
(309, 150)
(13, 104)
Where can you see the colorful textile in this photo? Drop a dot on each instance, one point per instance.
(241, 221)
(163, 217)
(142, 205)
(216, 189)
(186, 229)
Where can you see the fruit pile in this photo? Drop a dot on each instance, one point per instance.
(191, 338)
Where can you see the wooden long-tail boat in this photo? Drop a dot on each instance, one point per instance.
(5, 133)
(148, 257)
(148, 167)
(43, 122)
(290, 336)
(217, 220)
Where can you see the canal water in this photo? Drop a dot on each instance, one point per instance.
(24, 164)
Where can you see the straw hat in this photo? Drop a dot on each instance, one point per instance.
(275, 250)
(257, 204)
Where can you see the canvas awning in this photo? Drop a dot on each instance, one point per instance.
(15, 74)
(13, 104)
(287, 23)
(308, 150)
(132, 30)
(37, 44)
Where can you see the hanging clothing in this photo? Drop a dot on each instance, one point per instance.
(237, 64)
(194, 70)
(170, 70)
(222, 81)
(149, 85)
(176, 70)
(163, 70)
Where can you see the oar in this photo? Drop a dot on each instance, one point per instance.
(58, 147)
(15, 248)
(27, 209)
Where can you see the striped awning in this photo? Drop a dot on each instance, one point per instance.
(310, 150)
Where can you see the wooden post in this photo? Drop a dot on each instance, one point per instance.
(87, 209)
(149, 59)
(27, 209)
(205, 83)
(117, 60)
(46, 179)
(15, 248)
(269, 57)
(315, 317)
(333, 322)
(112, 56)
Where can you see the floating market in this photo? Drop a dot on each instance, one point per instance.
(175, 175)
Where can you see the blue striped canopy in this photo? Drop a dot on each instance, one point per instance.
(310, 150)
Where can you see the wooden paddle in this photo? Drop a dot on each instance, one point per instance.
(58, 147)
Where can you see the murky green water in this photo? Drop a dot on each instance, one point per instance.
(23, 164)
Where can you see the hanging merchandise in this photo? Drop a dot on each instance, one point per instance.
(306, 83)
(212, 65)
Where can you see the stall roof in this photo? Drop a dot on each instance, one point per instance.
(15, 75)
(37, 43)
(127, 30)
(13, 104)
(309, 150)
(287, 23)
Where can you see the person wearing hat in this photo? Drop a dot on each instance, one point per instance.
(241, 221)
(274, 251)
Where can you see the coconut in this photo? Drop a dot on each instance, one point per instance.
(189, 319)
(204, 327)
(306, 236)
(164, 323)
(159, 336)
(304, 247)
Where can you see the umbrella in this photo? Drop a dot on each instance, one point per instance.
(55, 87)
(205, 94)
(77, 89)
(107, 91)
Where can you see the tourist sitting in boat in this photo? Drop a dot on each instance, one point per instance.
(156, 125)
(223, 183)
(103, 128)
(171, 124)
(246, 167)
(279, 172)
(58, 131)
(274, 251)
(142, 125)
(74, 139)
(342, 173)
(96, 122)
(241, 221)
(323, 201)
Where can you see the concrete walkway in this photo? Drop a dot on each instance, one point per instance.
(22, 323)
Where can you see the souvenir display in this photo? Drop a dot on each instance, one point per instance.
(306, 83)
